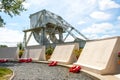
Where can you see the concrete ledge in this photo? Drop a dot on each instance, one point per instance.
(12, 75)
(118, 76)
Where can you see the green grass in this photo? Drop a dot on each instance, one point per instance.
(5, 73)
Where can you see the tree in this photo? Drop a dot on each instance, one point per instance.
(1, 22)
(11, 7)
(2, 46)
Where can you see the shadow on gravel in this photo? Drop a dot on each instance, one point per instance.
(8, 64)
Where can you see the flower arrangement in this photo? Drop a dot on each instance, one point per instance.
(21, 49)
(118, 57)
(3, 60)
(75, 69)
(53, 63)
(49, 52)
(21, 53)
(27, 60)
(77, 52)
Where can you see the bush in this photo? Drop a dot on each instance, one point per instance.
(21, 49)
(49, 50)
(77, 52)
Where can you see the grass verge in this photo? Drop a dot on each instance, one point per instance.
(5, 73)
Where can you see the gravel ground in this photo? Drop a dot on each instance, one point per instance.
(41, 71)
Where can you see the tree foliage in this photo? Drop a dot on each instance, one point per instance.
(11, 7)
(2, 46)
(1, 22)
(49, 50)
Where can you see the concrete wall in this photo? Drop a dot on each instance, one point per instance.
(36, 52)
(8, 53)
(64, 53)
(100, 56)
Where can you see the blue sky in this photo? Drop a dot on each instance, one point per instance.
(93, 18)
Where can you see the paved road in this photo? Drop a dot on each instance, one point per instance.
(40, 71)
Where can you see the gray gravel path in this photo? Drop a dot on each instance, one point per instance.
(41, 71)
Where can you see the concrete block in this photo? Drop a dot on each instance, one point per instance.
(8, 53)
(64, 53)
(35, 52)
(100, 56)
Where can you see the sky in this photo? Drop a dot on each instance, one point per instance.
(94, 18)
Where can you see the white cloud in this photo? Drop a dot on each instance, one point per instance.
(107, 4)
(92, 36)
(67, 8)
(26, 5)
(13, 24)
(95, 36)
(118, 18)
(10, 37)
(100, 15)
(69, 39)
(36, 4)
(81, 22)
(32, 41)
(78, 7)
(96, 29)
(104, 36)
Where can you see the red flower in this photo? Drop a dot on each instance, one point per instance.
(75, 69)
(25, 60)
(29, 60)
(53, 63)
(22, 60)
(3, 60)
